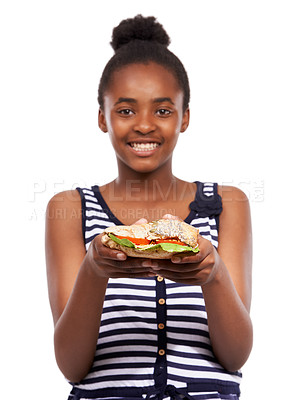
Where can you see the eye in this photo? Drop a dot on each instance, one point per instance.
(125, 112)
(164, 112)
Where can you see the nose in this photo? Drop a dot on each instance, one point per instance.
(144, 124)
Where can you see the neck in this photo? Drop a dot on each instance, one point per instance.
(154, 186)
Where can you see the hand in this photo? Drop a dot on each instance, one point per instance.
(110, 263)
(190, 269)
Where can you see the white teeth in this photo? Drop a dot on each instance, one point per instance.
(144, 146)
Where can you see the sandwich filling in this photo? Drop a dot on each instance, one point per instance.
(167, 244)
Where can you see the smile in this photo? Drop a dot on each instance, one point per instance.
(144, 146)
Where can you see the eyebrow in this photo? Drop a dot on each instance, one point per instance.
(163, 99)
(131, 100)
(125, 100)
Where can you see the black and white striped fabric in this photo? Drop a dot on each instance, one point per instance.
(154, 339)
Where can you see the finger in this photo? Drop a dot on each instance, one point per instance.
(205, 248)
(179, 276)
(170, 216)
(140, 221)
(112, 254)
(159, 265)
(106, 252)
(126, 269)
(188, 258)
(135, 271)
(178, 268)
(132, 263)
(144, 274)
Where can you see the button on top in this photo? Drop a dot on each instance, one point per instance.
(161, 326)
(162, 301)
(160, 278)
(161, 352)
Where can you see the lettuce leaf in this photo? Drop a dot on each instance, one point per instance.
(123, 242)
(177, 248)
(170, 247)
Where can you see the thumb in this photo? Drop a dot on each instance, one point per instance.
(141, 221)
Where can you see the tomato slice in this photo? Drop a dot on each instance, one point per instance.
(142, 241)
(174, 241)
(135, 240)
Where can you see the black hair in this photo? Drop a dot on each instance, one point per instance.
(142, 40)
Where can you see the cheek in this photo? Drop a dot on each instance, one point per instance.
(174, 132)
(175, 124)
(175, 139)
(117, 126)
(114, 141)
(117, 135)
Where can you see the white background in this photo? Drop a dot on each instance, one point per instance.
(239, 58)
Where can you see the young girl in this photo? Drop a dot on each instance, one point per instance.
(133, 328)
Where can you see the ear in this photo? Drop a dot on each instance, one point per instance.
(185, 120)
(102, 121)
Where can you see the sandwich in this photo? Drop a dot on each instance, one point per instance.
(157, 239)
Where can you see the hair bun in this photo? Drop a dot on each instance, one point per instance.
(139, 28)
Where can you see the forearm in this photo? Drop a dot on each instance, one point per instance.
(77, 329)
(229, 322)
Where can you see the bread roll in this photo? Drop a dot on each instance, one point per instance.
(160, 229)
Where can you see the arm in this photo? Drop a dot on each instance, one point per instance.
(225, 277)
(76, 293)
(228, 294)
(77, 282)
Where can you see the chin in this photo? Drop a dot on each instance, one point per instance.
(144, 169)
(143, 165)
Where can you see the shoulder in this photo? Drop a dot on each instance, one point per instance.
(65, 198)
(236, 208)
(231, 194)
(233, 199)
(64, 212)
(63, 202)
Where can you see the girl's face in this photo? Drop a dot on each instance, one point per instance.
(143, 113)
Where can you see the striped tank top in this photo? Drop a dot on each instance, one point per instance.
(154, 339)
